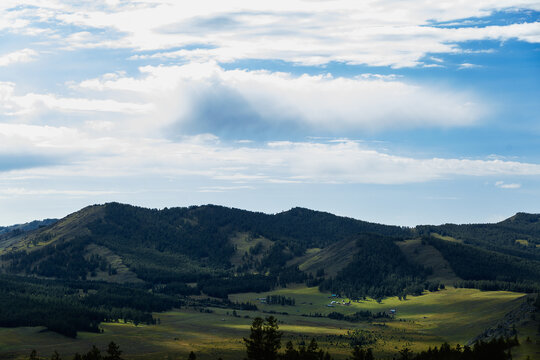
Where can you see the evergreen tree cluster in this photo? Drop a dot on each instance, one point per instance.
(472, 263)
(495, 349)
(113, 352)
(71, 306)
(280, 300)
(364, 315)
(264, 343)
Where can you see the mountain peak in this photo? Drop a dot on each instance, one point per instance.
(522, 218)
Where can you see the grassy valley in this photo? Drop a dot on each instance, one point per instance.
(453, 315)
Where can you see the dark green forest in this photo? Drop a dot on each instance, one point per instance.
(476, 267)
(70, 306)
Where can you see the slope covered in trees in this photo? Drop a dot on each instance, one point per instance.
(518, 235)
(181, 244)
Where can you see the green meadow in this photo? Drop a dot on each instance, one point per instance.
(453, 315)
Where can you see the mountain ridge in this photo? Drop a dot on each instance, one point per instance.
(198, 243)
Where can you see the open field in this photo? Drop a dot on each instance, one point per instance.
(453, 315)
(447, 238)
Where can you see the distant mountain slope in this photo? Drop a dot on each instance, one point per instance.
(29, 226)
(11, 235)
(518, 235)
(523, 223)
(14, 230)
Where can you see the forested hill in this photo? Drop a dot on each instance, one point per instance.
(180, 244)
(518, 235)
(213, 245)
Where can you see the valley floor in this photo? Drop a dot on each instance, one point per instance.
(452, 315)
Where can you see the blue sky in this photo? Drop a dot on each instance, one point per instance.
(389, 111)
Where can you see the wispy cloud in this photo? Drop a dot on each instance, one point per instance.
(468, 66)
(283, 161)
(52, 192)
(32, 104)
(503, 185)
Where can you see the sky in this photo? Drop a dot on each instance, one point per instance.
(397, 112)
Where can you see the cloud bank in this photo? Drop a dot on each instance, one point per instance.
(205, 98)
(345, 161)
(388, 33)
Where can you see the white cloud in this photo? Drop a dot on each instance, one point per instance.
(32, 104)
(503, 185)
(468, 66)
(241, 99)
(17, 57)
(390, 33)
(89, 156)
(205, 98)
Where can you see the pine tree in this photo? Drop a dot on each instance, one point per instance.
(113, 352)
(405, 354)
(93, 354)
(264, 340)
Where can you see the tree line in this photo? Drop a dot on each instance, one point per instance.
(67, 307)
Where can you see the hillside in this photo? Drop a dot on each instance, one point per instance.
(173, 254)
(518, 235)
(180, 244)
(122, 243)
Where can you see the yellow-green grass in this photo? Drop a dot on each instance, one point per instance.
(526, 243)
(447, 238)
(453, 315)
